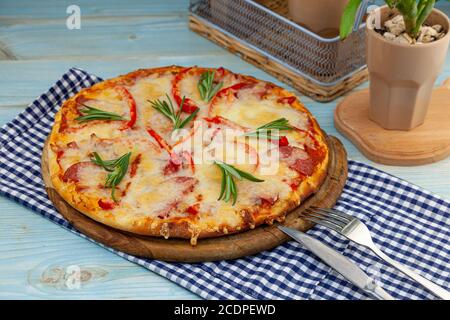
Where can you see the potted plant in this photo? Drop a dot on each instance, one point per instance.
(320, 16)
(407, 43)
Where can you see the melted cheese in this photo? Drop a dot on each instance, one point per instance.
(252, 112)
(149, 89)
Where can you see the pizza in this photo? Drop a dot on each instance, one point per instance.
(185, 152)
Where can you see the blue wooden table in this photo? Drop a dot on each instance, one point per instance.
(115, 37)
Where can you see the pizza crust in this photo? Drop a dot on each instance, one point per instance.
(179, 227)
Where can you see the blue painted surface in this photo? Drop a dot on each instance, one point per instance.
(116, 37)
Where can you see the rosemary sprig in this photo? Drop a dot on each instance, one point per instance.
(90, 113)
(264, 131)
(228, 188)
(168, 110)
(206, 86)
(117, 169)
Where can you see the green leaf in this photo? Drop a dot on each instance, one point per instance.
(214, 90)
(168, 110)
(348, 18)
(264, 131)
(263, 134)
(424, 10)
(233, 191)
(117, 169)
(223, 184)
(248, 176)
(228, 189)
(230, 170)
(206, 86)
(228, 182)
(191, 116)
(390, 3)
(279, 124)
(90, 113)
(108, 165)
(408, 9)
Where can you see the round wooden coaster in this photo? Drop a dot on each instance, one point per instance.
(222, 248)
(427, 143)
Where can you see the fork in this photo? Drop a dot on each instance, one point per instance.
(353, 229)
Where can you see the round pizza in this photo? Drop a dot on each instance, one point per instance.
(185, 152)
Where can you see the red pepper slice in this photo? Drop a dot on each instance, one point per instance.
(106, 204)
(221, 120)
(134, 165)
(59, 155)
(288, 100)
(63, 124)
(176, 162)
(171, 167)
(215, 120)
(267, 202)
(125, 94)
(161, 142)
(188, 157)
(294, 184)
(221, 72)
(193, 210)
(234, 87)
(225, 91)
(283, 141)
(72, 145)
(188, 106)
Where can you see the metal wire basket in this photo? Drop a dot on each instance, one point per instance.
(324, 61)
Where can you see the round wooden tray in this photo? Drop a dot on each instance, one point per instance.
(226, 247)
(427, 143)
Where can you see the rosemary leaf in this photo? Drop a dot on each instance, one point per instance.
(90, 113)
(228, 189)
(191, 116)
(248, 176)
(206, 86)
(168, 110)
(117, 169)
(264, 131)
(223, 184)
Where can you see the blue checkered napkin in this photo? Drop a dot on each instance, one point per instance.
(410, 224)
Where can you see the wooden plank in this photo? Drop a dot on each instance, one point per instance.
(5, 53)
(36, 255)
(33, 9)
(109, 37)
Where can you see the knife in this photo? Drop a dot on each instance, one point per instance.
(340, 263)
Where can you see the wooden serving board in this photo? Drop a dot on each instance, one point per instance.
(223, 248)
(428, 143)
